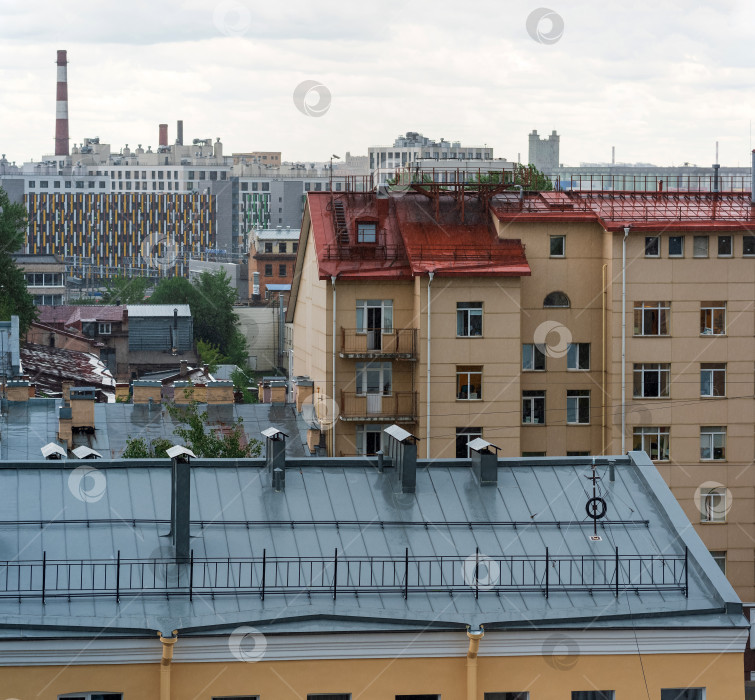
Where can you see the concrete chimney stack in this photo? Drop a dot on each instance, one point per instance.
(163, 140)
(61, 106)
(180, 132)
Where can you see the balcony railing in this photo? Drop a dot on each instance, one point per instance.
(534, 573)
(400, 344)
(400, 407)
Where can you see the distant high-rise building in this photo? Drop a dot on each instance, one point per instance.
(543, 153)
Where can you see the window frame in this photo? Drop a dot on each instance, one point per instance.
(385, 372)
(695, 240)
(465, 312)
(576, 401)
(713, 505)
(653, 242)
(104, 328)
(712, 307)
(269, 270)
(662, 369)
(717, 371)
(282, 270)
(719, 556)
(530, 401)
(748, 243)
(576, 354)
(662, 434)
(682, 694)
(386, 314)
(721, 239)
(681, 240)
(360, 437)
(644, 317)
(465, 373)
(362, 227)
(710, 432)
(471, 433)
(534, 353)
(548, 296)
(554, 238)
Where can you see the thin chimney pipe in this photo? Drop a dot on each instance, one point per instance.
(163, 140)
(61, 106)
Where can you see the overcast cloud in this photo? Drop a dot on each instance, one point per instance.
(660, 80)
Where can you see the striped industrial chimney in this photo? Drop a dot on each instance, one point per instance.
(61, 107)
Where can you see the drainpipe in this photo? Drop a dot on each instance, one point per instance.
(333, 369)
(474, 645)
(429, 337)
(603, 362)
(624, 338)
(168, 643)
(752, 179)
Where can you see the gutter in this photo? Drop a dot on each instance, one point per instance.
(474, 635)
(165, 662)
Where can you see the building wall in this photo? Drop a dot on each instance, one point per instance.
(544, 153)
(545, 677)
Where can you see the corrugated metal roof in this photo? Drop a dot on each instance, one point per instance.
(224, 495)
(280, 234)
(145, 310)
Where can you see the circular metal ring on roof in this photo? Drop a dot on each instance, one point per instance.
(596, 508)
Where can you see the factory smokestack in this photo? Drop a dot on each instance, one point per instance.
(180, 132)
(163, 141)
(61, 107)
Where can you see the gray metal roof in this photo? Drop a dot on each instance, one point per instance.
(236, 514)
(280, 234)
(145, 310)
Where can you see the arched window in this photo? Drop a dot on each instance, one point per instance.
(557, 300)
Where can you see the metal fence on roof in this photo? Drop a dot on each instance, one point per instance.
(538, 573)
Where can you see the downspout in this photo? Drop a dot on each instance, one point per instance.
(603, 363)
(333, 416)
(474, 645)
(624, 339)
(431, 274)
(165, 662)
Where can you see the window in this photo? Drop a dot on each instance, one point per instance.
(578, 406)
(418, 697)
(719, 556)
(468, 319)
(654, 440)
(463, 437)
(268, 247)
(533, 454)
(652, 246)
(724, 247)
(328, 696)
(374, 317)
(713, 442)
(577, 453)
(651, 317)
(713, 318)
(281, 270)
(369, 438)
(282, 247)
(104, 328)
(593, 695)
(558, 246)
(651, 380)
(533, 359)
(374, 378)
(32, 184)
(533, 407)
(296, 246)
(712, 379)
(44, 184)
(700, 246)
(268, 270)
(235, 697)
(683, 694)
(676, 246)
(469, 382)
(748, 245)
(556, 300)
(507, 696)
(713, 505)
(578, 356)
(366, 232)
(91, 696)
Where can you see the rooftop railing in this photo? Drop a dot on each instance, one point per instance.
(534, 573)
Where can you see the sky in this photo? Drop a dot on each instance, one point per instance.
(660, 80)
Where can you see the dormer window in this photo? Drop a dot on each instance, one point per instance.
(366, 232)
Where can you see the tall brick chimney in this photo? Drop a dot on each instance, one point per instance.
(61, 106)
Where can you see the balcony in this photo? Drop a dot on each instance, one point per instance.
(400, 344)
(399, 407)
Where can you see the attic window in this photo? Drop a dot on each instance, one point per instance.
(557, 300)
(366, 232)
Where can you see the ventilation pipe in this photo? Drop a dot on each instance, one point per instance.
(61, 106)
(716, 166)
(180, 500)
(180, 132)
(624, 338)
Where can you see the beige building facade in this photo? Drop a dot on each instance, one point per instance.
(529, 356)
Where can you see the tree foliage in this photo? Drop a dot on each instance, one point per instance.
(211, 298)
(241, 383)
(15, 299)
(209, 355)
(141, 448)
(125, 290)
(528, 176)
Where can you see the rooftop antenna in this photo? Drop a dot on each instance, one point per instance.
(596, 506)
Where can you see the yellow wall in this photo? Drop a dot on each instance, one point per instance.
(546, 678)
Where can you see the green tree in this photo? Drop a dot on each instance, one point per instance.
(141, 448)
(529, 177)
(209, 355)
(174, 290)
(241, 383)
(15, 299)
(125, 290)
(224, 441)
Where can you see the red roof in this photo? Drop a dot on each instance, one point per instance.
(49, 367)
(410, 240)
(652, 211)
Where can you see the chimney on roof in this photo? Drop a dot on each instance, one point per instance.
(163, 135)
(402, 449)
(275, 456)
(752, 180)
(184, 370)
(61, 106)
(180, 132)
(82, 408)
(180, 500)
(383, 199)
